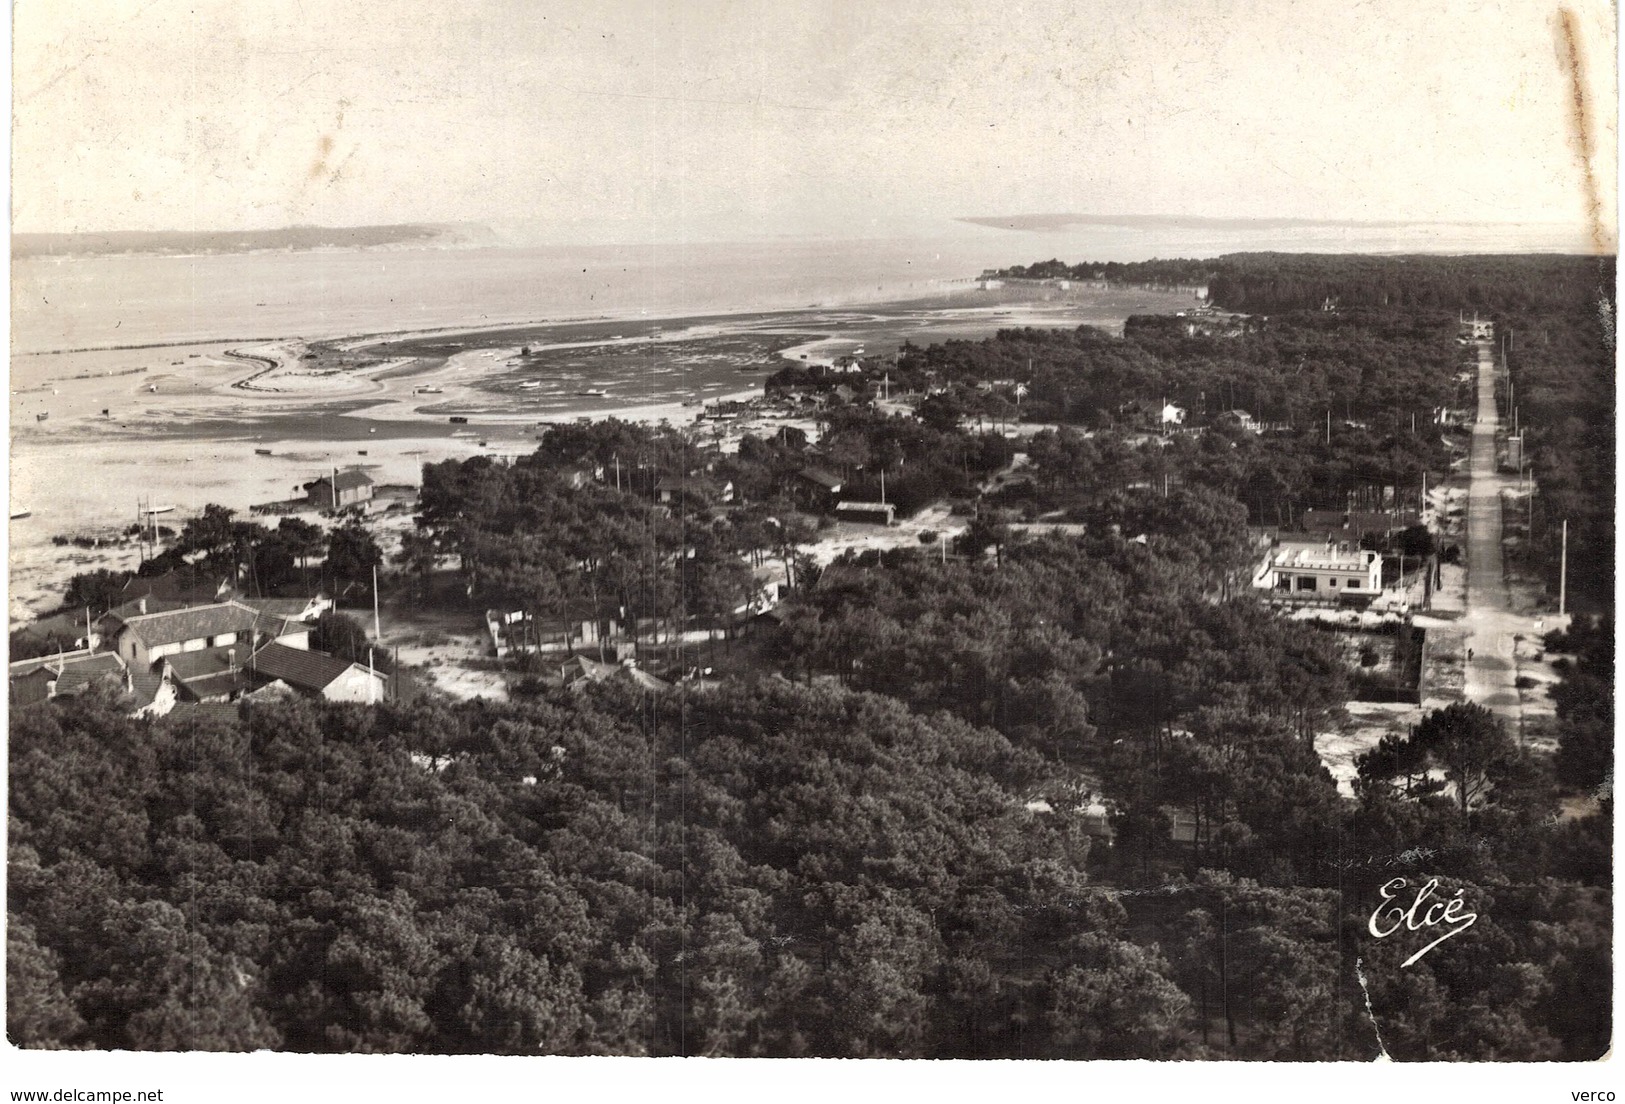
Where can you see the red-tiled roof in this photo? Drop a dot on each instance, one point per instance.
(173, 586)
(821, 477)
(76, 675)
(195, 623)
(222, 684)
(209, 661)
(58, 663)
(219, 711)
(291, 608)
(144, 685)
(1359, 521)
(114, 619)
(298, 668)
(580, 670)
(346, 480)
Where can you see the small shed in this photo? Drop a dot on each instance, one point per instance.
(815, 487)
(340, 490)
(872, 513)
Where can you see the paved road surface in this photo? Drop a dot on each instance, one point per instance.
(1491, 624)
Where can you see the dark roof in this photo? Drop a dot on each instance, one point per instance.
(71, 625)
(210, 661)
(220, 711)
(347, 480)
(92, 662)
(297, 667)
(196, 622)
(292, 608)
(225, 683)
(76, 674)
(690, 484)
(113, 620)
(641, 679)
(279, 627)
(173, 586)
(581, 667)
(55, 662)
(580, 670)
(821, 477)
(144, 685)
(1359, 521)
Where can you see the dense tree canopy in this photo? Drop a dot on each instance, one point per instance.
(1053, 789)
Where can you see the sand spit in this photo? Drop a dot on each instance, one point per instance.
(186, 423)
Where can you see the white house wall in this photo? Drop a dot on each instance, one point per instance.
(355, 685)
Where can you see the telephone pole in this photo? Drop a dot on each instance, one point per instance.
(1563, 574)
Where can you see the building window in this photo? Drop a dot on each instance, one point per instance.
(1354, 584)
(1332, 583)
(1306, 582)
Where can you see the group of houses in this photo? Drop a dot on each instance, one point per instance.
(819, 491)
(169, 645)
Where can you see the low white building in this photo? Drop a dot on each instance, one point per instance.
(1322, 571)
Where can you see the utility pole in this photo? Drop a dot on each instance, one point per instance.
(377, 633)
(1328, 425)
(1563, 574)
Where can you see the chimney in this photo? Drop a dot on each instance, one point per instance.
(141, 604)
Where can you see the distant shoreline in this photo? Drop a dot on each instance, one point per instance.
(357, 340)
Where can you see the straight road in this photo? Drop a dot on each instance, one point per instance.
(1491, 625)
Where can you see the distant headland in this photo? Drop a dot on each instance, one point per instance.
(297, 238)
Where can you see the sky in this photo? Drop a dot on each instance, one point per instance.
(618, 120)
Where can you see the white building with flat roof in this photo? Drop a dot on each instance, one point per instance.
(1321, 570)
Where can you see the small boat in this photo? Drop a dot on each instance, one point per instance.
(458, 420)
(361, 452)
(42, 417)
(593, 393)
(262, 452)
(20, 512)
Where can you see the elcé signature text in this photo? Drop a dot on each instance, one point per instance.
(1392, 916)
